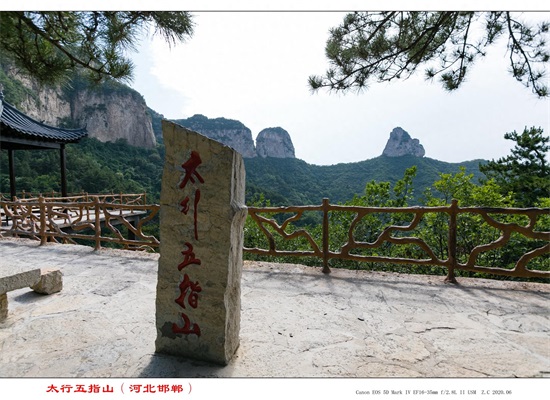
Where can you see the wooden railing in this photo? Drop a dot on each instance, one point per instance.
(95, 218)
(355, 248)
(114, 198)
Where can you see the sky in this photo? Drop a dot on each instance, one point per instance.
(254, 67)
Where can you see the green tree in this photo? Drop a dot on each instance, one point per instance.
(377, 194)
(382, 46)
(525, 172)
(472, 229)
(49, 45)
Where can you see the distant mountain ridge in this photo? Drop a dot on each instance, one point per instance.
(291, 181)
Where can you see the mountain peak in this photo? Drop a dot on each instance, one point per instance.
(400, 144)
(274, 142)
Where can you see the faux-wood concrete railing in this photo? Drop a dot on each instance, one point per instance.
(114, 198)
(390, 235)
(85, 217)
(54, 219)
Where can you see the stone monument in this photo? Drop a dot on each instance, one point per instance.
(201, 233)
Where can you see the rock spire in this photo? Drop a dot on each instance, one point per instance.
(400, 144)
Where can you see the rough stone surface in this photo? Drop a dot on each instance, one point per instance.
(51, 281)
(296, 322)
(400, 144)
(13, 278)
(230, 132)
(202, 215)
(274, 142)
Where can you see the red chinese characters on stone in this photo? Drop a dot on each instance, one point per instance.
(185, 209)
(188, 257)
(190, 290)
(185, 205)
(195, 210)
(190, 167)
(187, 328)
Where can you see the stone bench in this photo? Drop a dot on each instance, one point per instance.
(44, 281)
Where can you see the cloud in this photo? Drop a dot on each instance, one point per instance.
(253, 67)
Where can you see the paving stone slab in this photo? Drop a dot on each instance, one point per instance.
(296, 322)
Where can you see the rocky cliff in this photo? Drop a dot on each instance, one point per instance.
(400, 144)
(109, 116)
(108, 112)
(274, 142)
(45, 104)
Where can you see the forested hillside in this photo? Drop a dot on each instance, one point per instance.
(98, 167)
(92, 166)
(295, 182)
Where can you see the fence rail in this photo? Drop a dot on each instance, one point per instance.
(396, 234)
(114, 198)
(96, 218)
(85, 217)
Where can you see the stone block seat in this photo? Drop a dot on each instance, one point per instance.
(44, 281)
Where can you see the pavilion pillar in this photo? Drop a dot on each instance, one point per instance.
(63, 165)
(11, 167)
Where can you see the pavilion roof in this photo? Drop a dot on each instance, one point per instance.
(16, 124)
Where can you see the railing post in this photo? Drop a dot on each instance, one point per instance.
(453, 211)
(11, 169)
(97, 224)
(63, 167)
(42, 208)
(326, 269)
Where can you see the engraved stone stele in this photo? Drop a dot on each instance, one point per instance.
(201, 238)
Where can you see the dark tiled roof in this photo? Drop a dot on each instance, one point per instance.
(24, 126)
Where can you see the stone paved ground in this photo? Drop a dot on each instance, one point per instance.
(296, 322)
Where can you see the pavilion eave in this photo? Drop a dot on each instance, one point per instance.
(18, 131)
